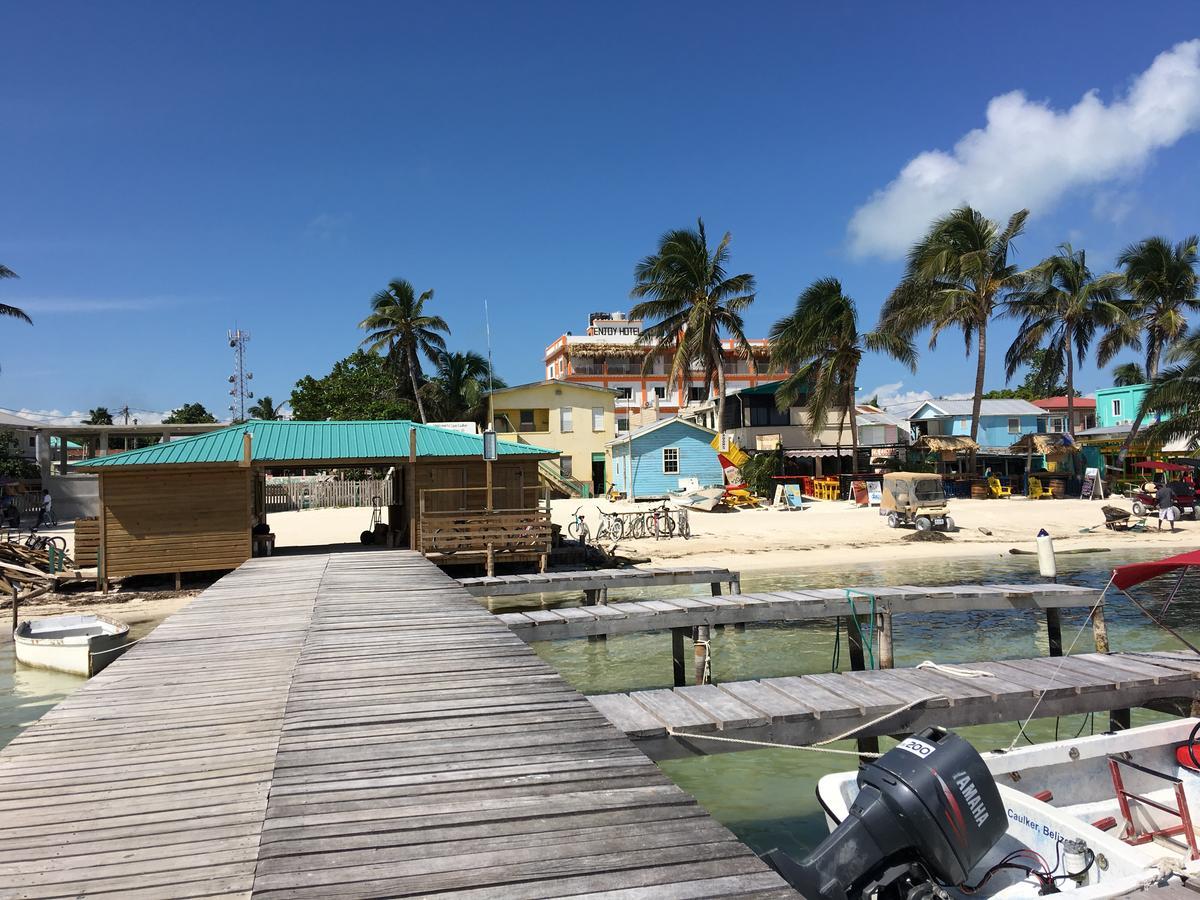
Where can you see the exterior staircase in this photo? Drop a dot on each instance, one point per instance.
(552, 477)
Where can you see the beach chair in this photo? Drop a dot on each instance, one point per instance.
(1036, 491)
(996, 489)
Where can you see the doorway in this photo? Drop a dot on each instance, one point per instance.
(599, 484)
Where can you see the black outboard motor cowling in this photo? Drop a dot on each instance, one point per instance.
(930, 801)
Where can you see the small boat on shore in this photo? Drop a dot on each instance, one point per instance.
(78, 645)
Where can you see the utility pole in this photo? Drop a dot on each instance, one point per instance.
(124, 411)
(240, 391)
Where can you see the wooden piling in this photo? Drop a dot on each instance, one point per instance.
(700, 642)
(15, 598)
(1118, 719)
(678, 666)
(1054, 631)
(856, 642)
(883, 624)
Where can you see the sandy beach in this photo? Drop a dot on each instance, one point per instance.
(827, 534)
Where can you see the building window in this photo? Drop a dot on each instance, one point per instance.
(32, 442)
(624, 393)
(564, 420)
(564, 463)
(622, 424)
(1089, 421)
(697, 394)
(1058, 424)
(1014, 426)
(660, 392)
(527, 420)
(760, 416)
(670, 460)
(597, 418)
(1116, 408)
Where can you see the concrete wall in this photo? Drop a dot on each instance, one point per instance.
(74, 496)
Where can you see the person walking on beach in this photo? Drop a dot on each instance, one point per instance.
(46, 513)
(1166, 506)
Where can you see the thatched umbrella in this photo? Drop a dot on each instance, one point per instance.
(1050, 446)
(943, 443)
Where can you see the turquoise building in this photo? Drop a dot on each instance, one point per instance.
(660, 458)
(1001, 422)
(1118, 406)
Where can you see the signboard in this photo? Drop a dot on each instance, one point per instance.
(859, 490)
(789, 496)
(874, 493)
(1093, 487)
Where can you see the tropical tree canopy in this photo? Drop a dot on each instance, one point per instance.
(12, 312)
(13, 463)
(692, 304)
(1128, 373)
(458, 392)
(819, 342)
(189, 414)
(265, 409)
(1173, 395)
(358, 387)
(99, 416)
(1161, 282)
(399, 328)
(956, 277)
(1061, 307)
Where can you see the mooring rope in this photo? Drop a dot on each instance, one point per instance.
(956, 671)
(124, 646)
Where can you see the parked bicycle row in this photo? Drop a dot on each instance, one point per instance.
(658, 522)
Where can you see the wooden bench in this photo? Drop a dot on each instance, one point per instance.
(264, 544)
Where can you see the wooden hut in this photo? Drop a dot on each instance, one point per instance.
(189, 505)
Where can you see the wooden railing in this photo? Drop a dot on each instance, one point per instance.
(474, 535)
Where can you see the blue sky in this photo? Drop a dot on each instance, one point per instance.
(172, 170)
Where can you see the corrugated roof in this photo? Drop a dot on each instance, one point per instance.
(654, 426)
(1061, 403)
(291, 441)
(986, 408)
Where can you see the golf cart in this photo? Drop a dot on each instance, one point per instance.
(915, 498)
(1145, 500)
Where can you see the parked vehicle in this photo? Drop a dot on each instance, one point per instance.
(915, 498)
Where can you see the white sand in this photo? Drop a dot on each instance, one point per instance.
(827, 534)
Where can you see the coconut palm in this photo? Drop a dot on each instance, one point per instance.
(458, 392)
(12, 312)
(265, 409)
(957, 275)
(398, 323)
(1161, 280)
(99, 416)
(819, 342)
(1060, 308)
(692, 303)
(1172, 395)
(1128, 373)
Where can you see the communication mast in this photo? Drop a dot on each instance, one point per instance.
(240, 379)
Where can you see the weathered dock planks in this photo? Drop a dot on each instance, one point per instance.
(598, 580)
(786, 606)
(348, 725)
(810, 708)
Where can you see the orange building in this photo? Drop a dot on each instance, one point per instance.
(608, 355)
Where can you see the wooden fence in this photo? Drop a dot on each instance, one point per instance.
(482, 535)
(87, 541)
(317, 493)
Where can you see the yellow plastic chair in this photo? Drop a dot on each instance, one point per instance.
(996, 489)
(1037, 492)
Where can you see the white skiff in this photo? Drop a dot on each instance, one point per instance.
(79, 645)
(1078, 776)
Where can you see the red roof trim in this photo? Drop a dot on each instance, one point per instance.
(1061, 403)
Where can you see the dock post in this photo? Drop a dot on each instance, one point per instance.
(1054, 631)
(15, 597)
(602, 596)
(678, 667)
(700, 646)
(883, 625)
(491, 555)
(1118, 719)
(591, 596)
(854, 638)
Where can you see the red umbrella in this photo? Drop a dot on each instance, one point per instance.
(1162, 466)
(1135, 573)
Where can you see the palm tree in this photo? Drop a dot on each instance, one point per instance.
(819, 342)
(1060, 309)
(956, 277)
(12, 312)
(459, 389)
(265, 409)
(398, 323)
(1161, 280)
(1172, 395)
(99, 416)
(684, 289)
(1127, 374)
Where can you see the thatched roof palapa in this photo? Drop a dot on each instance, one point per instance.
(943, 442)
(1043, 445)
(599, 350)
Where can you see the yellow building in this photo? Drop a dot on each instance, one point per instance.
(575, 419)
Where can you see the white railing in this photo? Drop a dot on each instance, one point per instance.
(318, 493)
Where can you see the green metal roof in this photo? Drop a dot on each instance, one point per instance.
(299, 442)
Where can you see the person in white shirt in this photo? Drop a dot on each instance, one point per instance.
(46, 513)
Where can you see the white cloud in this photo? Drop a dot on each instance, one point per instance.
(58, 417)
(1029, 155)
(48, 305)
(328, 226)
(891, 395)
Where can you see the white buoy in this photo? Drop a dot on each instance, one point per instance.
(1047, 564)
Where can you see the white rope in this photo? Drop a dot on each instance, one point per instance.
(956, 671)
(124, 646)
(818, 747)
(1062, 661)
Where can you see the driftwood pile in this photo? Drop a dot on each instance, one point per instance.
(28, 571)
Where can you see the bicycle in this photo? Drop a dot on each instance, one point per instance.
(661, 524)
(578, 527)
(612, 527)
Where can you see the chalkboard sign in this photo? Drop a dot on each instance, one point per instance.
(1090, 477)
(874, 492)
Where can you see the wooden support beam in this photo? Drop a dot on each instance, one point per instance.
(1054, 631)
(858, 663)
(700, 651)
(883, 625)
(678, 664)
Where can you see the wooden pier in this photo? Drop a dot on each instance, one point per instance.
(346, 725)
(597, 582)
(787, 606)
(811, 708)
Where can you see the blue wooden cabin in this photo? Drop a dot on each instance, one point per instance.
(654, 460)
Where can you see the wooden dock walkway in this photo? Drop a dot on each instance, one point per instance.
(599, 580)
(786, 606)
(346, 725)
(811, 708)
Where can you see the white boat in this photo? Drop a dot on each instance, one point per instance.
(79, 645)
(1082, 804)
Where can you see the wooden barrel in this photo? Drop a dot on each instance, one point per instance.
(1058, 487)
(979, 490)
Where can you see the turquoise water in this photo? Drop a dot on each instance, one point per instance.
(767, 796)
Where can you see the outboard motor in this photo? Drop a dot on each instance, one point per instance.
(927, 809)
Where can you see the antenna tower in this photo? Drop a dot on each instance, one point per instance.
(240, 379)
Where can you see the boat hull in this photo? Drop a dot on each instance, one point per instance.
(70, 648)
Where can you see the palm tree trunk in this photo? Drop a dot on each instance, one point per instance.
(853, 427)
(841, 428)
(412, 374)
(1070, 429)
(1153, 352)
(720, 361)
(977, 400)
